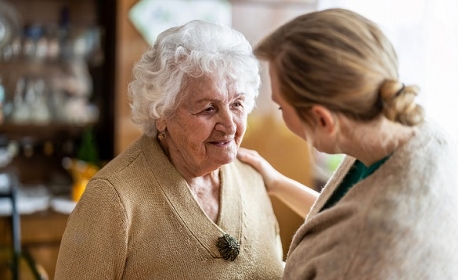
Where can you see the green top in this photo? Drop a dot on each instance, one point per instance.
(356, 173)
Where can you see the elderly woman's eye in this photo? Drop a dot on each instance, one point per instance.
(238, 103)
(209, 109)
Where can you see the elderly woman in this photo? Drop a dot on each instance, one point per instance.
(177, 204)
(390, 209)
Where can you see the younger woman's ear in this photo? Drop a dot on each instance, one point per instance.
(324, 119)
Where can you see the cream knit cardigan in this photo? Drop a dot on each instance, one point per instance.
(401, 222)
(138, 220)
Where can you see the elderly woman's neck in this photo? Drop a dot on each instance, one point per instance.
(204, 185)
(372, 141)
(206, 191)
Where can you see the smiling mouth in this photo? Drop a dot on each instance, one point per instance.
(221, 143)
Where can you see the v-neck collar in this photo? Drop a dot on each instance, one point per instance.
(188, 210)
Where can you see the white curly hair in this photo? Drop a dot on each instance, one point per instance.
(195, 49)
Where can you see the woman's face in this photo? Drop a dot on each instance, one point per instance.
(290, 117)
(207, 129)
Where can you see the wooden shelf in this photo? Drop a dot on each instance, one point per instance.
(41, 233)
(42, 132)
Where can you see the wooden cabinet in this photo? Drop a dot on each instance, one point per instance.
(130, 45)
(66, 54)
(41, 235)
(42, 145)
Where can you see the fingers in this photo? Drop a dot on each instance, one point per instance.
(254, 159)
(245, 154)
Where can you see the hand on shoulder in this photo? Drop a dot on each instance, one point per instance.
(268, 172)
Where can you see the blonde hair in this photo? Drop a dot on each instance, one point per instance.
(340, 60)
(196, 49)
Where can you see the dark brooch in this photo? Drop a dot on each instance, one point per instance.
(228, 247)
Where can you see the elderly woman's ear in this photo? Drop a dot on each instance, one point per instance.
(161, 125)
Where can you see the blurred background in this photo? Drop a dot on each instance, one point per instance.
(64, 70)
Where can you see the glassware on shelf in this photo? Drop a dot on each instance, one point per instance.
(2, 101)
(10, 23)
(46, 73)
(20, 112)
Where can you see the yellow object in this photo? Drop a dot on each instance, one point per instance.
(81, 172)
(78, 189)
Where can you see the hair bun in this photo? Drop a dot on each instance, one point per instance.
(399, 103)
(391, 89)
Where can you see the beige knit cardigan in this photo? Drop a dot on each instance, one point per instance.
(138, 220)
(401, 222)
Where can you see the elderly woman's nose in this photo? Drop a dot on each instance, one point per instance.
(226, 121)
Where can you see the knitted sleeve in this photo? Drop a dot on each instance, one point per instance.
(94, 244)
